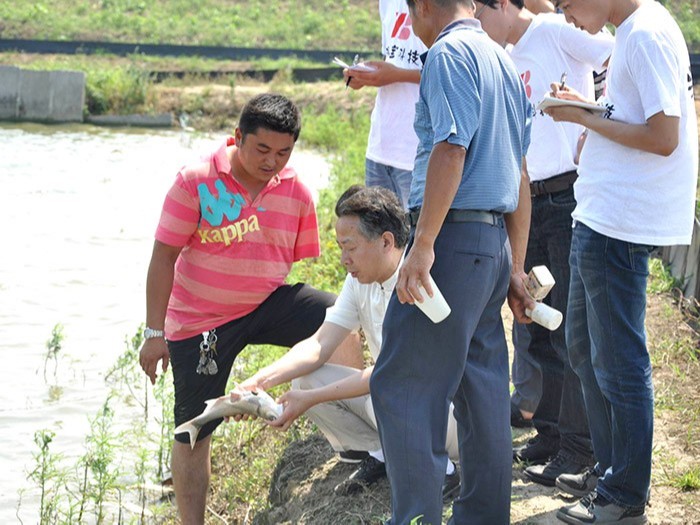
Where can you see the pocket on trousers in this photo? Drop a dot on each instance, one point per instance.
(563, 199)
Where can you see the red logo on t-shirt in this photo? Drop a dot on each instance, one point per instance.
(402, 27)
(526, 80)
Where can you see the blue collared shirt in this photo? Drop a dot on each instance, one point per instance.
(471, 95)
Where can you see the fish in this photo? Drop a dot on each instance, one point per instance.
(258, 404)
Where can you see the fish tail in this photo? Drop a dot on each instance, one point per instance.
(191, 429)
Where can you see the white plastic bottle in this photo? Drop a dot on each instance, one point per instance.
(545, 315)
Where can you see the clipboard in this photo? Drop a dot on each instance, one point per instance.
(549, 102)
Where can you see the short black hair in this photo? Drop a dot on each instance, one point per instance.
(379, 211)
(520, 4)
(442, 3)
(270, 111)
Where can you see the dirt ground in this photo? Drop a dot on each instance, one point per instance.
(302, 486)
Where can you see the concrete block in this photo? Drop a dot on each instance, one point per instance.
(9, 92)
(67, 96)
(35, 95)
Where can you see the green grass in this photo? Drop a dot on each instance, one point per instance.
(312, 24)
(660, 278)
(687, 14)
(688, 481)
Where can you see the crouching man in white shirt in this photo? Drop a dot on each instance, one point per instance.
(372, 232)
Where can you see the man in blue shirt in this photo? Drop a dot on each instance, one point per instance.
(469, 196)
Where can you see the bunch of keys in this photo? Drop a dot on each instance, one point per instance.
(207, 351)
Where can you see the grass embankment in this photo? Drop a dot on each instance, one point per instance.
(312, 24)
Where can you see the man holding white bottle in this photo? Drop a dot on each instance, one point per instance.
(468, 198)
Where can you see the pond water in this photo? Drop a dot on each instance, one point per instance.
(78, 207)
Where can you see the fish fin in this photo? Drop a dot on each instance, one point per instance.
(191, 429)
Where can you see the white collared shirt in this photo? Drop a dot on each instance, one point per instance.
(363, 306)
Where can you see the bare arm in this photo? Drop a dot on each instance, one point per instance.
(384, 73)
(159, 284)
(442, 181)
(302, 359)
(518, 226)
(540, 6)
(296, 402)
(659, 134)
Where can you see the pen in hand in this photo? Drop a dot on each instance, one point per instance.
(562, 82)
(355, 61)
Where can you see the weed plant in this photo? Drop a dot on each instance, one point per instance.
(46, 475)
(53, 348)
(120, 90)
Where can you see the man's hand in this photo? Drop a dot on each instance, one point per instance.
(252, 384)
(235, 395)
(295, 403)
(567, 113)
(518, 298)
(382, 75)
(152, 351)
(415, 271)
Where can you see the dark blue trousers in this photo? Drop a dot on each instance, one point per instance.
(423, 366)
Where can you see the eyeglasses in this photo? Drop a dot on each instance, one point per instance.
(477, 14)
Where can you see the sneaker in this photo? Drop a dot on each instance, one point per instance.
(352, 456)
(595, 509)
(578, 485)
(516, 418)
(370, 471)
(450, 487)
(535, 451)
(548, 473)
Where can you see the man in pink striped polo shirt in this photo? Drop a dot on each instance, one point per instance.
(230, 229)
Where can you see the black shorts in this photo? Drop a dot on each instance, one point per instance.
(291, 314)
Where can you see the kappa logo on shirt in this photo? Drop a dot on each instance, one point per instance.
(224, 204)
(402, 27)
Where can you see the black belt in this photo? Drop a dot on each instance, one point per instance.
(553, 184)
(488, 217)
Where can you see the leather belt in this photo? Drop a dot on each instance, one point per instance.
(553, 184)
(487, 217)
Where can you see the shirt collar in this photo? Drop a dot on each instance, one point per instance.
(390, 283)
(462, 23)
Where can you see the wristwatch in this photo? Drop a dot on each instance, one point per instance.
(150, 333)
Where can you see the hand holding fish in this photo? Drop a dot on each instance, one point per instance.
(240, 390)
(252, 403)
(295, 403)
(152, 351)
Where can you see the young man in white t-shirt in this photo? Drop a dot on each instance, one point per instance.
(372, 232)
(391, 147)
(545, 48)
(636, 190)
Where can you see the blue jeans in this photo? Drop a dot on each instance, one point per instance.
(395, 179)
(607, 348)
(423, 366)
(560, 418)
